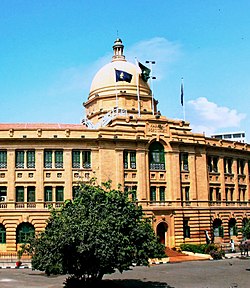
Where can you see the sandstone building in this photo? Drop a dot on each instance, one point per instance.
(188, 182)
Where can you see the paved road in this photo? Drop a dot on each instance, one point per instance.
(229, 273)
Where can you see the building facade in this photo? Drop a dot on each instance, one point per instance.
(189, 183)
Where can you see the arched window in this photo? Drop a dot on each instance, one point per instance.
(2, 234)
(218, 229)
(232, 228)
(23, 232)
(156, 156)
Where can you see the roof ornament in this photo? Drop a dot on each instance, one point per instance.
(118, 50)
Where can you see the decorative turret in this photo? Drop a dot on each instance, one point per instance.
(118, 51)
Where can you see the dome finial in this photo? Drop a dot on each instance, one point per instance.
(118, 50)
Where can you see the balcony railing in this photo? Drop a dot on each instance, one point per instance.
(144, 203)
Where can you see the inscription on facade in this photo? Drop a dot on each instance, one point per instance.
(157, 128)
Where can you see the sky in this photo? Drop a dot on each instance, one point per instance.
(50, 50)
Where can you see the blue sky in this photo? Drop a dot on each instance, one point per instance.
(50, 51)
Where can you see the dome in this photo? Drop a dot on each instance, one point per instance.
(104, 82)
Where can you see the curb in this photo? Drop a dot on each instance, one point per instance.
(236, 256)
(159, 261)
(14, 267)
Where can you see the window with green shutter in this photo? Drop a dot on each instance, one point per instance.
(86, 159)
(162, 193)
(19, 159)
(156, 156)
(19, 194)
(48, 193)
(187, 193)
(125, 159)
(2, 234)
(132, 159)
(59, 194)
(31, 194)
(76, 159)
(3, 193)
(129, 159)
(31, 159)
(134, 193)
(186, 229)
(59, 159)
(184, 161)
(152, 193)
(3, 159)
(24, 232)
(47, 159)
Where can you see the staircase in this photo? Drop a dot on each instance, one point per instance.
(172, 253)
(106, 119)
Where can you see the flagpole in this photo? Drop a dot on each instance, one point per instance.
(137, 88)
(182, 100)
(116, 93)
(151, 83)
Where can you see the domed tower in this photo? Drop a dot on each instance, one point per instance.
(118, 88)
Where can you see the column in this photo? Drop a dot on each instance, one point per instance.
(119, 167)
(222, 178)
(236, 183)
(11, 177)
(67, 164)
(192, 176)
(142, 174)
(39, 178)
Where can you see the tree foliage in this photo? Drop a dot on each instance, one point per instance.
(245, 230)
(99, 231)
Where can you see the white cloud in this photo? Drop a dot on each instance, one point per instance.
(158, 49)
(208, 117)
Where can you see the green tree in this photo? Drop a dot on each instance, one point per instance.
(99, 231)
(245, 230)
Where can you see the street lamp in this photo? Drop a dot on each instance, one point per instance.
(150, 62)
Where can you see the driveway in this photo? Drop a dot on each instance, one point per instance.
(229, 273)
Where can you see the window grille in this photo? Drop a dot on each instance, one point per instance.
(19, 159)
(3, 159)
(58, 159)
(31, 159)
(47, 159)
(75, 159)
(152, 193)
(20, 194)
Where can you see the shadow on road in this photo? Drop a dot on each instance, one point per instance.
(132, 283)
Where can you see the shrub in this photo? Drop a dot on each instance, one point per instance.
(217, 254)
(195, 248)
(199, 248)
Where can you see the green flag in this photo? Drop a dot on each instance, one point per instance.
(145, 71)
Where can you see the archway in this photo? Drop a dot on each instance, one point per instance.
(218, 228)
(232, 227)
(161, 231)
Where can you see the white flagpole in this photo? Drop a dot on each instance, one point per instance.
(137, 87)
(116, 93)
